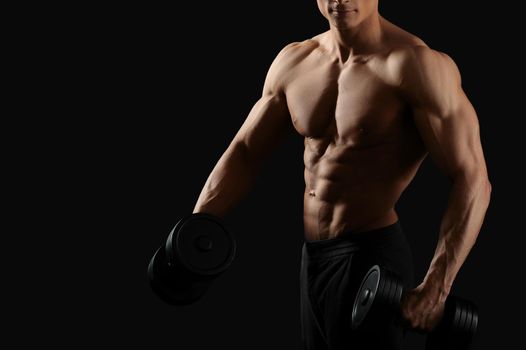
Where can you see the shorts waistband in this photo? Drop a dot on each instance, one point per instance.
(351, 242)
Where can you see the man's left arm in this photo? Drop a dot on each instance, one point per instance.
(449, 128)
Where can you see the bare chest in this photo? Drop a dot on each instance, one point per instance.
(351, 105)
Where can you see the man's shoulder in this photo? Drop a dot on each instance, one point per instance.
(296, 51)
(414, 60)
(282, 68)
(289, 57)
(421, 72)
(410, 64)
(416, 55)
(408, 50)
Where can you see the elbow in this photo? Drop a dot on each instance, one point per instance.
(487, 189)
(253, 156)
(240, 149)
(477, 183)
(483, 183)
(252, 162)
(483, 186)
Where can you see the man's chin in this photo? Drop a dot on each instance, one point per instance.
(343, 26)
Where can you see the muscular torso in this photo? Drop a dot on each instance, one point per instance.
(362, 148)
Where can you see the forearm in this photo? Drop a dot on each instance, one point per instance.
(463, 218)
(228, 183)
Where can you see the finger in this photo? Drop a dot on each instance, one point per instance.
(419, 328)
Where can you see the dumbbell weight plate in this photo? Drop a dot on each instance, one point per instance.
(451, 338)
(378, 296)
(465, 331)
(384, 290)
(458, 336)
(175, 289)
(457, 327)
(365, 296)
(475, 320)
(440, 336)
(467, 336)
(201, 244)
(395, 293)
(389, 292)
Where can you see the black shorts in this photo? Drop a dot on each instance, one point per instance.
(331, 273)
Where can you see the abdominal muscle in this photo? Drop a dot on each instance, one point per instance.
(352, 190)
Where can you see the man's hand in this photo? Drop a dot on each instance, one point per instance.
(422, 308)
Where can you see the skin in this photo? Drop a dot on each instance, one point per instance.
(371, 101)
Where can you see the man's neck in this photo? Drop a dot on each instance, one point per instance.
(362, 39)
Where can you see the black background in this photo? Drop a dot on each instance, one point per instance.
(149, 98)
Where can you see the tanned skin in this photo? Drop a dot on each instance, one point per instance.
(371, 101)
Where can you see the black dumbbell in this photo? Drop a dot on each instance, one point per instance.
(197, 251)
(378, 300)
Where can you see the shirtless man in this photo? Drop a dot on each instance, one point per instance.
(371, 101)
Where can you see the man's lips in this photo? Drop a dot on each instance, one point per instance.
(343, 10)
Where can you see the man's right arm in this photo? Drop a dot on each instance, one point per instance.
(266, 126)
